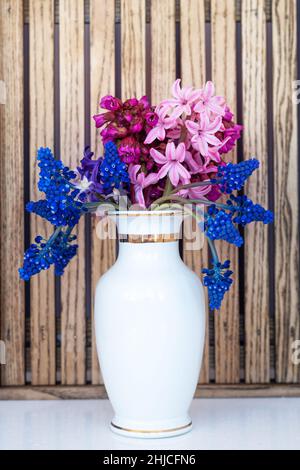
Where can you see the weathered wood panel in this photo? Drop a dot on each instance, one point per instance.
(71, 55)
(193, 68)
(223, 28)
(96, 392)
(133, 22)
(192, 38)
(163, 49)
(42, 288)
(102, 37)
(256, 273)
(12, 202)
(286, 182)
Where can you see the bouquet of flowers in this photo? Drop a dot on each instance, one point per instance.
(173, 153)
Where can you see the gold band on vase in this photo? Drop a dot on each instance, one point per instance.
(152, 431)
(158, 238)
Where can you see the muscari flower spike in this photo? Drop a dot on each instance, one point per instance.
(61, 206)
(246, 211)
(218, 226)
(58, 250)
(218, 282)
(113, 172)
(232, 176)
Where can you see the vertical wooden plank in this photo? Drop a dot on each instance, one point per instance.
(102, 35)
(163, 51)
(12, 202)
(192, 38)
(42, 289)
(286, 189)
(71, 55)
(133, 48)
(257, 338)
(193, 66)
(223, 42)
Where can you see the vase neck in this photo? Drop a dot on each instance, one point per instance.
(148, 226)
(149, 252)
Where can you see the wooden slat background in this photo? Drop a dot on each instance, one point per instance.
(57, 58)
(41, 134)
(223, 39)
(256, 295)
(12, 329)
(71, 74)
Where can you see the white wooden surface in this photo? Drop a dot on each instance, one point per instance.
(249, 423)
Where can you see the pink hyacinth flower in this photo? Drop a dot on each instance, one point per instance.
(195, 162)
(208, 103)
(203, 133)
(183, 100)
(172, 163)
(140, 182)
(163, 123)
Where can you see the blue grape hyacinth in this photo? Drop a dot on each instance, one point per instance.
(113, 172)
(246, 211)
(64, 212)
(218, 226)
(233, 176)
(58, 250)
(218, 282)
(61, 206)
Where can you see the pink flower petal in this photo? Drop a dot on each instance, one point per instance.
(157, 132)
(182, 171)
(170, 151)
(214, 126)
(152, 178)
(174, 175)
(192, 127)
(176, 91)
(180, 152)
(132, 171)
(139, 195)
(209, 89)
(164, 170)
(178, 111)
(212, 139)
(158, 157)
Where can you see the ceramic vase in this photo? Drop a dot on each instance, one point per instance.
(150, 327)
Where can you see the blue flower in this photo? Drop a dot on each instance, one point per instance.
(218, 226)
(60, 206)
(113, 172)
(232, 176)
(63, 212)
(218, 282)
(246, 211)
(54, 177)
(58, 250)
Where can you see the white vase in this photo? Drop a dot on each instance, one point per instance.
(150, 325)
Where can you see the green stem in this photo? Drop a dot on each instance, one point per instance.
(92, 206)
(192, 185)
(54, 235)
(213, 250)
(173, 197)
(168, 187)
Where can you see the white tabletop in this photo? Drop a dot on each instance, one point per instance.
(266, 423)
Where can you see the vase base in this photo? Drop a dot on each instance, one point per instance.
(151, 433)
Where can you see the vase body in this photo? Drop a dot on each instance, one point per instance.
(150, 327)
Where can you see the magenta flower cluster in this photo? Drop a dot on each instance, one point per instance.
(180, 141)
